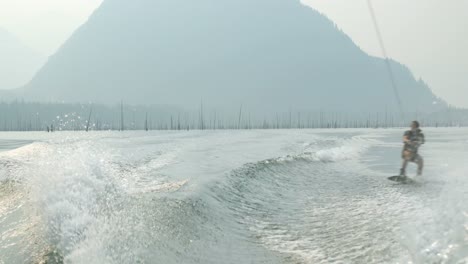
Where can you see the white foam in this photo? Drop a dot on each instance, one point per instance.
(440, 235)
(346, 150)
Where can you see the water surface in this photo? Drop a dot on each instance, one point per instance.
(260, 196)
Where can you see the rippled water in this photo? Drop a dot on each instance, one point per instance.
(288, 196)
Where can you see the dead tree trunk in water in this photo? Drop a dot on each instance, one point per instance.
(202, 118)
(146, 121)
(121, 117)
(89, 118)
(240, 117)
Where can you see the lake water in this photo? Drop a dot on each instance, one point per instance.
(258, 196)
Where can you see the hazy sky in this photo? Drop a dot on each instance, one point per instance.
(44, 24)
(430, 36)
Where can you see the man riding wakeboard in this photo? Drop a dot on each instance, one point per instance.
(412, 140)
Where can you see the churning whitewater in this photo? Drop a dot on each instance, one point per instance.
(259, 196)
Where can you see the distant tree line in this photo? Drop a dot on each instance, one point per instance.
(30, 116)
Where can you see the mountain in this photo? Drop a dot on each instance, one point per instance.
(18, 63)
(267, 54)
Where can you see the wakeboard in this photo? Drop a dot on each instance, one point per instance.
(401, 179)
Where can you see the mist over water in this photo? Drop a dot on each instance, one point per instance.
(286, 196)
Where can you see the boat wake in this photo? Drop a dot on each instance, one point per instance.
(82, 200)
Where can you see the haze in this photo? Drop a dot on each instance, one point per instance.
(427, 35)
(430, 36)
(44, 25)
